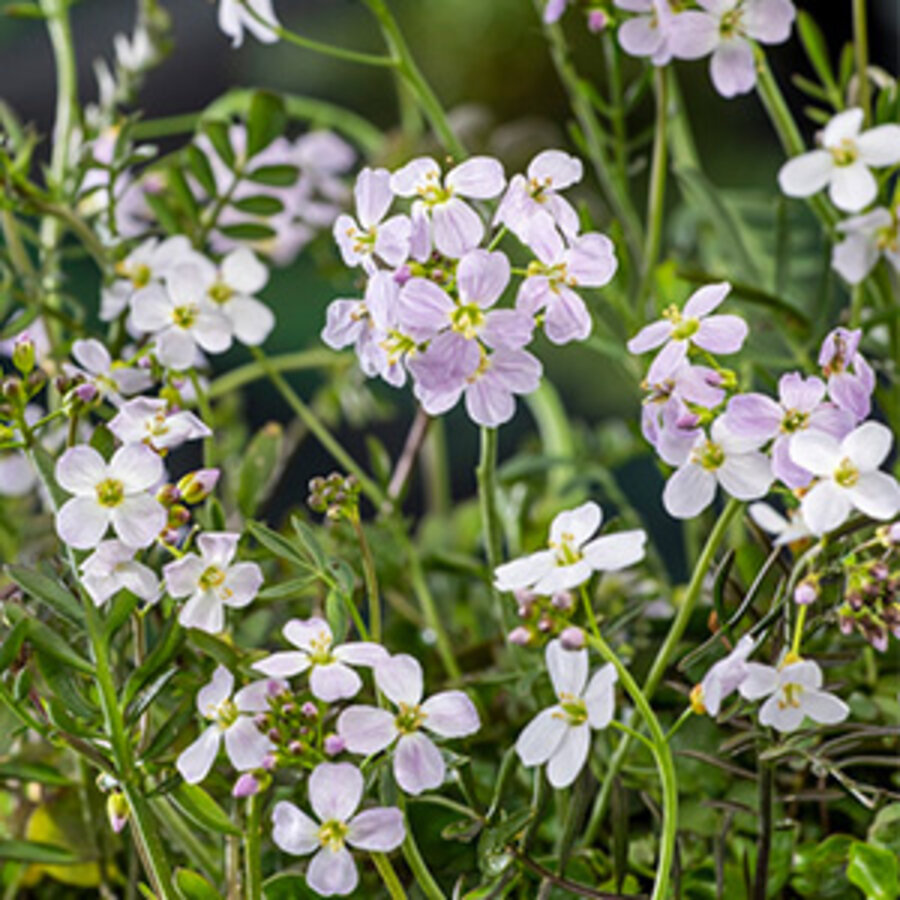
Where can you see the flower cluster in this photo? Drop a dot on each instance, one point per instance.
(432, 307)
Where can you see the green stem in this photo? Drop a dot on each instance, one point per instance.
(663, 657)
(661, 754)
(657, 190)
(371, 579)
(861, 51)
(425, 881)
(388, 876)
(209, 443)
(490, 524)
(252, 852)
(766, 786)
(317, 358)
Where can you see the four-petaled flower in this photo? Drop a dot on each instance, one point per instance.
(722, 679)
(152, 421)
(111, 567)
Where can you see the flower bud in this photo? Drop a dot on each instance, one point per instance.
(597, 20)
(23, 354)
(197, 486)
(269, 762)
(562, 600)
(245, 786)
(117, 811)
(295, 747)
(807, 591)
(168, 495)
(86, 392)
(309, 709)
(572, 638)
(519, 636)
(333, 745)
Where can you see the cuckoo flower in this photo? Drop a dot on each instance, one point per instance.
(232, 719)
(587, 261)
(725, 28)
(211, 582)
(724, 458)
(335, 792)
(844, 162)
(678, 330)
(867, 238)
(152, 421)
(785, 529)
(111, 567)
(794, 692)
(560, 735)
(848, 476)
(799, 407)
(851, 380)
(456, 227)
(114, 493)
(330, 675)
(722, 679)
(648, 33)
(425, 310)
(112, 380)
(418, 764)
(373, 237)
(236, 15)
(572, 557)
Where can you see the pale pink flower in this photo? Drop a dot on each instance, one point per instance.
(152, 421)
(648, 33)
(112, 567)
(111, 379)
(723, 678)
(851, 380)
(867, 238)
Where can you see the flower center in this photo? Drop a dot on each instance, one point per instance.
(225, 714)
(212, 578)
(184, 316)
(320, 649)
(467, 320)
(729, 24)
(888, 238)
(710, 456)
(220, 292)
(574, 709)
(794, 420)
(363, 241)
(110, 492)
(332, 834)
(409, 718)
(567, 553)
(790, 696)
(697, 700)
(433, 192)
(845, 153)
(846, 474)
(398, 344)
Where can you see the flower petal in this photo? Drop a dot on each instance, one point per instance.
(479, 177)
(82, 522)
(575, 526)
(332, 872)
(450, 714)
(246, 745)
(418, 764)
(80, 469)
(366, 729)
(877, 495)
(613, 552)
(689, 491)
(283, 664)
(399, 678)
(524, 572)
(806, 174)
(568, 669)
(194, 763)
(335, 790)
(293, 831)
(868, 446)
(380, 829)
(600, 696)
(138, 520)
(334, 681)
(852, 187)
(570, 756)
(880, 146)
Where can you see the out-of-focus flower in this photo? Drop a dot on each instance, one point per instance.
(851, 380)
(722, 679)
(867, 237)
(152, 421)
(844, 163)
(648, 33)
(785, 530)
(234, 18)
(111, 567)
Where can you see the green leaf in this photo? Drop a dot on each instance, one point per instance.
(182, 192)
(260, 205)
(24, 11)
(885, 829)
(147, 696)
(201, 169)
(817, 50)
(170, 731)
(103, 441)
(45, 640)
(289, 589)
(277, 544)
(258, 466)
(217, 132)
(247, 231)
(165, 647)
(50, 592)
(276, 176)
(12, 644)
(285, 886)
(123, 605)
(164, 212)
(874, 871)
(310, 543)
(37, 852)
(215, 647)
(23, 770)
(192, 886)
(266, 120)
(201, 809)
(336, 615)
(61, 682)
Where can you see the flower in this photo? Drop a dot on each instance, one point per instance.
(848, 476)
(794, 692)
(725, 29)
(373, 236)
(153, 422)
(868, 237)
(560, 735)
(114, 493)
(418, 764)
(844, 162)
(234, 17)
(730, 460)
(647, 34)
(722, 679)
(233, 720)
(785, 530)
(330, 675)
(111, 379)
(111, 567)
(335, 791)
(211, 582)
(587, 261)
(851, 380)
(572, 557)
(553, 11)
(678, 330)
(799, 407)
(456, 227)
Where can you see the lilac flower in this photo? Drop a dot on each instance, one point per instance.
(233, 720)
(868, 237)
(553, 11)
(453, 366)
(374, 236)
(725, 29)
(848, 476)
(647, 34)
(111, 379)
(725, 458)
(785, 530)
(678, 330)
(794, 692)
(152, 421)
(851, 380)
(456, 227)
(330, 675)
(798, 408)
(560, 735)
(111, 567)
(572, 557)
(211, 582)
(722, 679)
(234, 18)
(335, 792)
(844, 162)
(114, 493)
(418, 764)
(587, 261)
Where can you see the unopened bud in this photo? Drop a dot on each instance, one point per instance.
(562, 600)
(520, 636)
(807, 591)
(23, 354)
(309, 709)
(117, 811)
(572, 638)
(246, 786)
(597, 20)
(197, 486)
(334, 744)
(168, 495)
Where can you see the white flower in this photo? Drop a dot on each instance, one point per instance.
(722, 679)
(114, 493)
(335, 791)
(785, 530)
(561, 734)
(245, 745)
(843, 165)
(869, 236)
(234, 18)
(331, 677)
(725, 459)
(848, 476)
(111, 379)
(794, 692)
(647, 34)
(211, 582)
(111, 567)
(572, 557)
(151, 421)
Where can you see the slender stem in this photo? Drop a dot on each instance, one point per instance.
(861, 51)
(661, 753)
(388, 876)
(371, 579)
(405, 464)
(252, 853)
(657, 193)
(680, 721)
(766, 785)
(425, 881)
(798, 629)
(664, 656)
(316, 358)
(490, 524)
(209, 443)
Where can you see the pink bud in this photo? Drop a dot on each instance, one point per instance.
(805, 593)
(309, 709)
(197, 486)
(562, 600)
(86, 392)
(520, 636)
(403, 274)
(334, 744)
(269, 762)
(572, 638)
(245, 786)
(597, 20)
